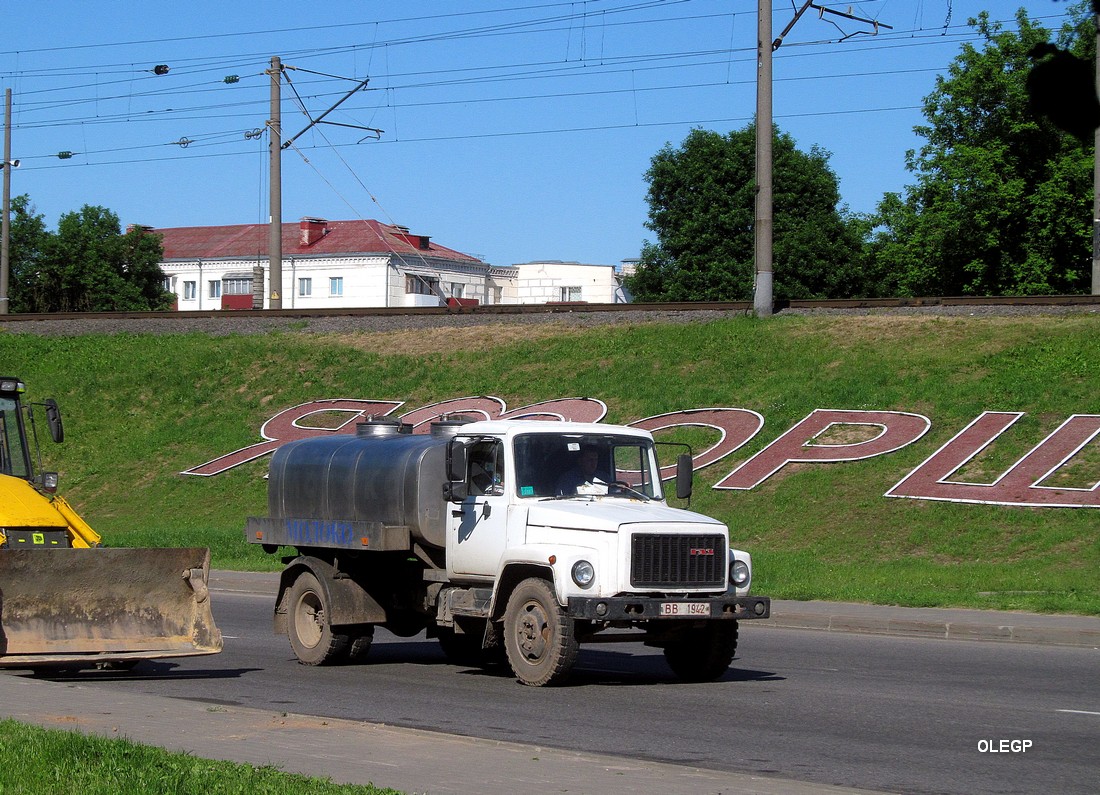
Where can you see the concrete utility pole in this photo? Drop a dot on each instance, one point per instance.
(1096, 177)
(763, 295)
(5, 224)
(275, 231)
(762, 229)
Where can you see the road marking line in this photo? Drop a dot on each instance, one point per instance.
(1078, 711)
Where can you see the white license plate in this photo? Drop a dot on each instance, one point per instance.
(687, 609)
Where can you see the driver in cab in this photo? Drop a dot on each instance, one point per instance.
(582, 477)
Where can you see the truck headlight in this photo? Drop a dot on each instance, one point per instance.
(739, 573)
(583, 573)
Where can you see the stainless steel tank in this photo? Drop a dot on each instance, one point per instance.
(383, 474)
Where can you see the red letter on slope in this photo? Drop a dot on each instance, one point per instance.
(1017, 486)
(797, 445)
(735, 426)
(286, 426)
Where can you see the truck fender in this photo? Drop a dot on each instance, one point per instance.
(346, 600)
(554, 567)
(511, 575)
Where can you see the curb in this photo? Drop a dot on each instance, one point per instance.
(935, 623)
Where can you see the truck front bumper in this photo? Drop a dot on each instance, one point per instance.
(644, 608)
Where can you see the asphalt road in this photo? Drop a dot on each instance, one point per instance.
(884, 713)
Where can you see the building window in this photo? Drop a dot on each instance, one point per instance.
(190, 291)
(336, 286)
(421, 285)
(167, 283)
(496, 295)
(456, 289)
(237, 286)
(570, 293)
(216, 289)
(305, 287)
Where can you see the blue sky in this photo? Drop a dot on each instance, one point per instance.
(513, 130)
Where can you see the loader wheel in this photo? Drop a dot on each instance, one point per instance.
(311, 636)
(703, 654)
(539, 637)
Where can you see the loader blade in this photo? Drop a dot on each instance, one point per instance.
(99, 605)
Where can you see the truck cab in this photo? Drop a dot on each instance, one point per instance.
(590, 496)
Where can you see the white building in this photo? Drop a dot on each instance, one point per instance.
(326, 264)
(336, 264)
(553, 281)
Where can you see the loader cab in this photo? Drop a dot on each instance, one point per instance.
(17, 457)
(15, 454)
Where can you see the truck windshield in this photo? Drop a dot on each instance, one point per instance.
(563, 465)
(13, 454)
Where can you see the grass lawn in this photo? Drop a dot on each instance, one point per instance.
(139, 409)
(51, 762)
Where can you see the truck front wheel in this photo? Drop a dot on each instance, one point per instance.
(311, 636)
(539, 637)
(702, 654)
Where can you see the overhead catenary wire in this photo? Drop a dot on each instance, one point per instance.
(257, 104)
(517, 74)
(207, 143)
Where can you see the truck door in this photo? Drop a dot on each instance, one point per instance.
(479, 524)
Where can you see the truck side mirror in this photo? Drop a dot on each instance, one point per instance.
(454, 490)
(683, 476)
(53, 419)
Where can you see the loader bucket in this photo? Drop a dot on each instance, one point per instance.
(90, 606)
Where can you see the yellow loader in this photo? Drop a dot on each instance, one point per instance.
(64, 599)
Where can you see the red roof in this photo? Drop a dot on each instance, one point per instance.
(329, 238)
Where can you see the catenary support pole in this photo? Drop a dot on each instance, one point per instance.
(1096, 175)
(5, 224)
(762, 298)
(275, 231)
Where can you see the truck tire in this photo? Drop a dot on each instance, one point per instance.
(704, 653)
(311, 636)
(539, 637)
(359, 644)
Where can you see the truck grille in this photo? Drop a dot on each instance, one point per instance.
(677, 561)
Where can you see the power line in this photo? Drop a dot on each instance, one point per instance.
(168, 92)
(507, 134)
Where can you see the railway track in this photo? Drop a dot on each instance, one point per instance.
(504, 310)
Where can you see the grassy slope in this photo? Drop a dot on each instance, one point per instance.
(139, 409)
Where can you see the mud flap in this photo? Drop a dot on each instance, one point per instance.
(104, 605)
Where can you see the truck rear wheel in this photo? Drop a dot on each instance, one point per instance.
(359, 644)
(539, 637)
(311, 636)
(702, 654)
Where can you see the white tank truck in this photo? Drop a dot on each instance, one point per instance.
(503, 539)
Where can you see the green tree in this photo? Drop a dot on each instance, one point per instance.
(26, 243)
(89, 265)
(1002, 200)
(702, 208)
